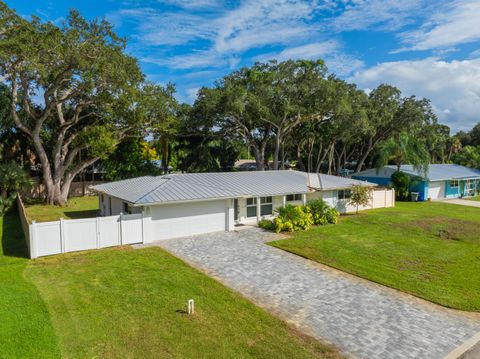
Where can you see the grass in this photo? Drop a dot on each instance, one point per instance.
(26, 330)
(125, 303)
(77, 207)
(475, 198)
(431, 250)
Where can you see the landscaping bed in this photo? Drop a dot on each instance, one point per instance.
(431, 250)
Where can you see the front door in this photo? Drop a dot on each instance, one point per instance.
(235, 209)
(469, 188)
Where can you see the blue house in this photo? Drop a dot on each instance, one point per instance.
(440, 181)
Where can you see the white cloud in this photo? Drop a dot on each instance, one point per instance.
(252, 24)
(259, 23)
(343, 65)
(193, 4)
(453, 87)
(195, 59)
(192, 93)
(308, 51)
(453, 24)
(164, 28)
(330, 51)
(387, 14)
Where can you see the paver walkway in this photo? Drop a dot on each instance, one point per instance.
(363, 319)
(463, 202)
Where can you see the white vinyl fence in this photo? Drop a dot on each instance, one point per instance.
(47, 238)
(383, 198)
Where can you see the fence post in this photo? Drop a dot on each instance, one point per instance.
(98, 231)
(33, 238)
(120, 232)
(62, 235)
(143, 228)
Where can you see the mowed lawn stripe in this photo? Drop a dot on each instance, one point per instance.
(129, 303)
(431, 250)
(26, 330)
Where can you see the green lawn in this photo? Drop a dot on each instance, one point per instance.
(77, 207)
(26, 330)
(475, 198)
(125, 303)
(431, 250)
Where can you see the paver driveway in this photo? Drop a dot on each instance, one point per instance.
(462, 202)
(363, 319)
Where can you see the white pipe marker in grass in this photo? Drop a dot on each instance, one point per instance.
(191, 306)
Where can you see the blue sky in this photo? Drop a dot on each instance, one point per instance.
(427, 48)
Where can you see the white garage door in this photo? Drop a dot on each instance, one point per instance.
(436, 190)
(187, 219)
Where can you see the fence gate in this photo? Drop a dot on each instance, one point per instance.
(132, 228)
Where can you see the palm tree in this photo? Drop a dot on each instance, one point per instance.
(403, 149)
(12, 179)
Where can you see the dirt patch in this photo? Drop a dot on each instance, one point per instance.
(409, 263)
(445, 228)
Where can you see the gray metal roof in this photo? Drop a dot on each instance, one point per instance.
(324, 182)
(441, 172)
(202, 186)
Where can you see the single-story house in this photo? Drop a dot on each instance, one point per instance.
(180, 205)
(440, 181)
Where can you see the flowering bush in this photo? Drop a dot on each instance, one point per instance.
(295, 218)
(292, 218)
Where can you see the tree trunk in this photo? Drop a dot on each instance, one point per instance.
(276, 151)
(301, 165)
(365, 155)
(330, 158)
(259, 153)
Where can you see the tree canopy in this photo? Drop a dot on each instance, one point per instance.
(70, 96)
(88, 88)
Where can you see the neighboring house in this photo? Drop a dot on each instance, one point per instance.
(441, 180)
(178, 205)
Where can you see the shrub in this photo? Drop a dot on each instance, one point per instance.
(292, 218)
(321, 213)
(401, 183)
(267, 224)
(361, 196)
(332, 215)
(318, 208)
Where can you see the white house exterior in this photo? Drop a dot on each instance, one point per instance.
(179, 205)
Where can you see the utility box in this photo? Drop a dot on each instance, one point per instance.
(414, 196)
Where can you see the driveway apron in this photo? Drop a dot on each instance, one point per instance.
(363, 319)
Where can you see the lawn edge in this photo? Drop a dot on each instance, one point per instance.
(474, 312)
(262, 306)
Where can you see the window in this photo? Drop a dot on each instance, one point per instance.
(344, 194)
(454, 184)
(266, 206)
(251, 207)
(126, 208)
(294, 197)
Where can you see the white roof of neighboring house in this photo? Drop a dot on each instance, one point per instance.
(202, 186)
(436, 172)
